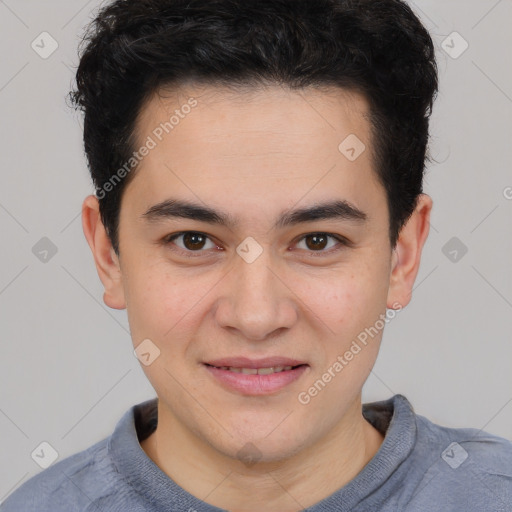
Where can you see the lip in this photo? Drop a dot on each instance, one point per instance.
(245, 362)
(255, 385)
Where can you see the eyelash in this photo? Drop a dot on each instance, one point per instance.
(343, 242)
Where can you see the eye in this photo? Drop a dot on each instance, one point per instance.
(317, 242)
(192, 241)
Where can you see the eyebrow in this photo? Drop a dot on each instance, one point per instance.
(332, 210)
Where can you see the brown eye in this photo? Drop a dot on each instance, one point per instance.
(318, 242)
(191, 241)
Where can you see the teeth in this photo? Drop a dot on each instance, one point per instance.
(259, 371)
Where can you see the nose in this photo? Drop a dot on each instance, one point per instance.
(256, 300)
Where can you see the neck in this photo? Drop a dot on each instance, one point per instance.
(286, 485)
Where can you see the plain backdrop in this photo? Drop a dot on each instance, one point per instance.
(67, 369)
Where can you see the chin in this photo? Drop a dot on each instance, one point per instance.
(254, 450)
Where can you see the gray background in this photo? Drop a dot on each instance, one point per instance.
(67, 371)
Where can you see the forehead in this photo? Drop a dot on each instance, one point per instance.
(252, 141)
(280, 113)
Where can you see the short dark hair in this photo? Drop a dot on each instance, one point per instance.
(379, 48)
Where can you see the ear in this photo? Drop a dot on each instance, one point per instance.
(407, 254)
(107, 262)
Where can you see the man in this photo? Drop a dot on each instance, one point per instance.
(258, 211)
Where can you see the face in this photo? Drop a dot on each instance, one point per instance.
(255, 286)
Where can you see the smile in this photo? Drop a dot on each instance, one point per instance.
(254, 371)
(255, 381)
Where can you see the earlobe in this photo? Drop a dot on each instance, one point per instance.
(105, 258)
(407, 254)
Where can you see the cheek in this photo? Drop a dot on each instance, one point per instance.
(346, 301)
(336, 304)
(156, 301)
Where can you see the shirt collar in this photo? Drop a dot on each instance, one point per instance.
(394, 417)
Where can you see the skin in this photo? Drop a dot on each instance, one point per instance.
(254, 154)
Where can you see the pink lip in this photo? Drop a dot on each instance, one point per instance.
(245, 362)
(255, 384)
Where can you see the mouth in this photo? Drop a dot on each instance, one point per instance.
(257, 371)
(256, 377)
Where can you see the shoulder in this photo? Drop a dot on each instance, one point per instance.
(469, 468)
(467, 446)
(98, 478)
(72, 484)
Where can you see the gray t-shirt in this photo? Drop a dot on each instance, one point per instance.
(420, 466)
